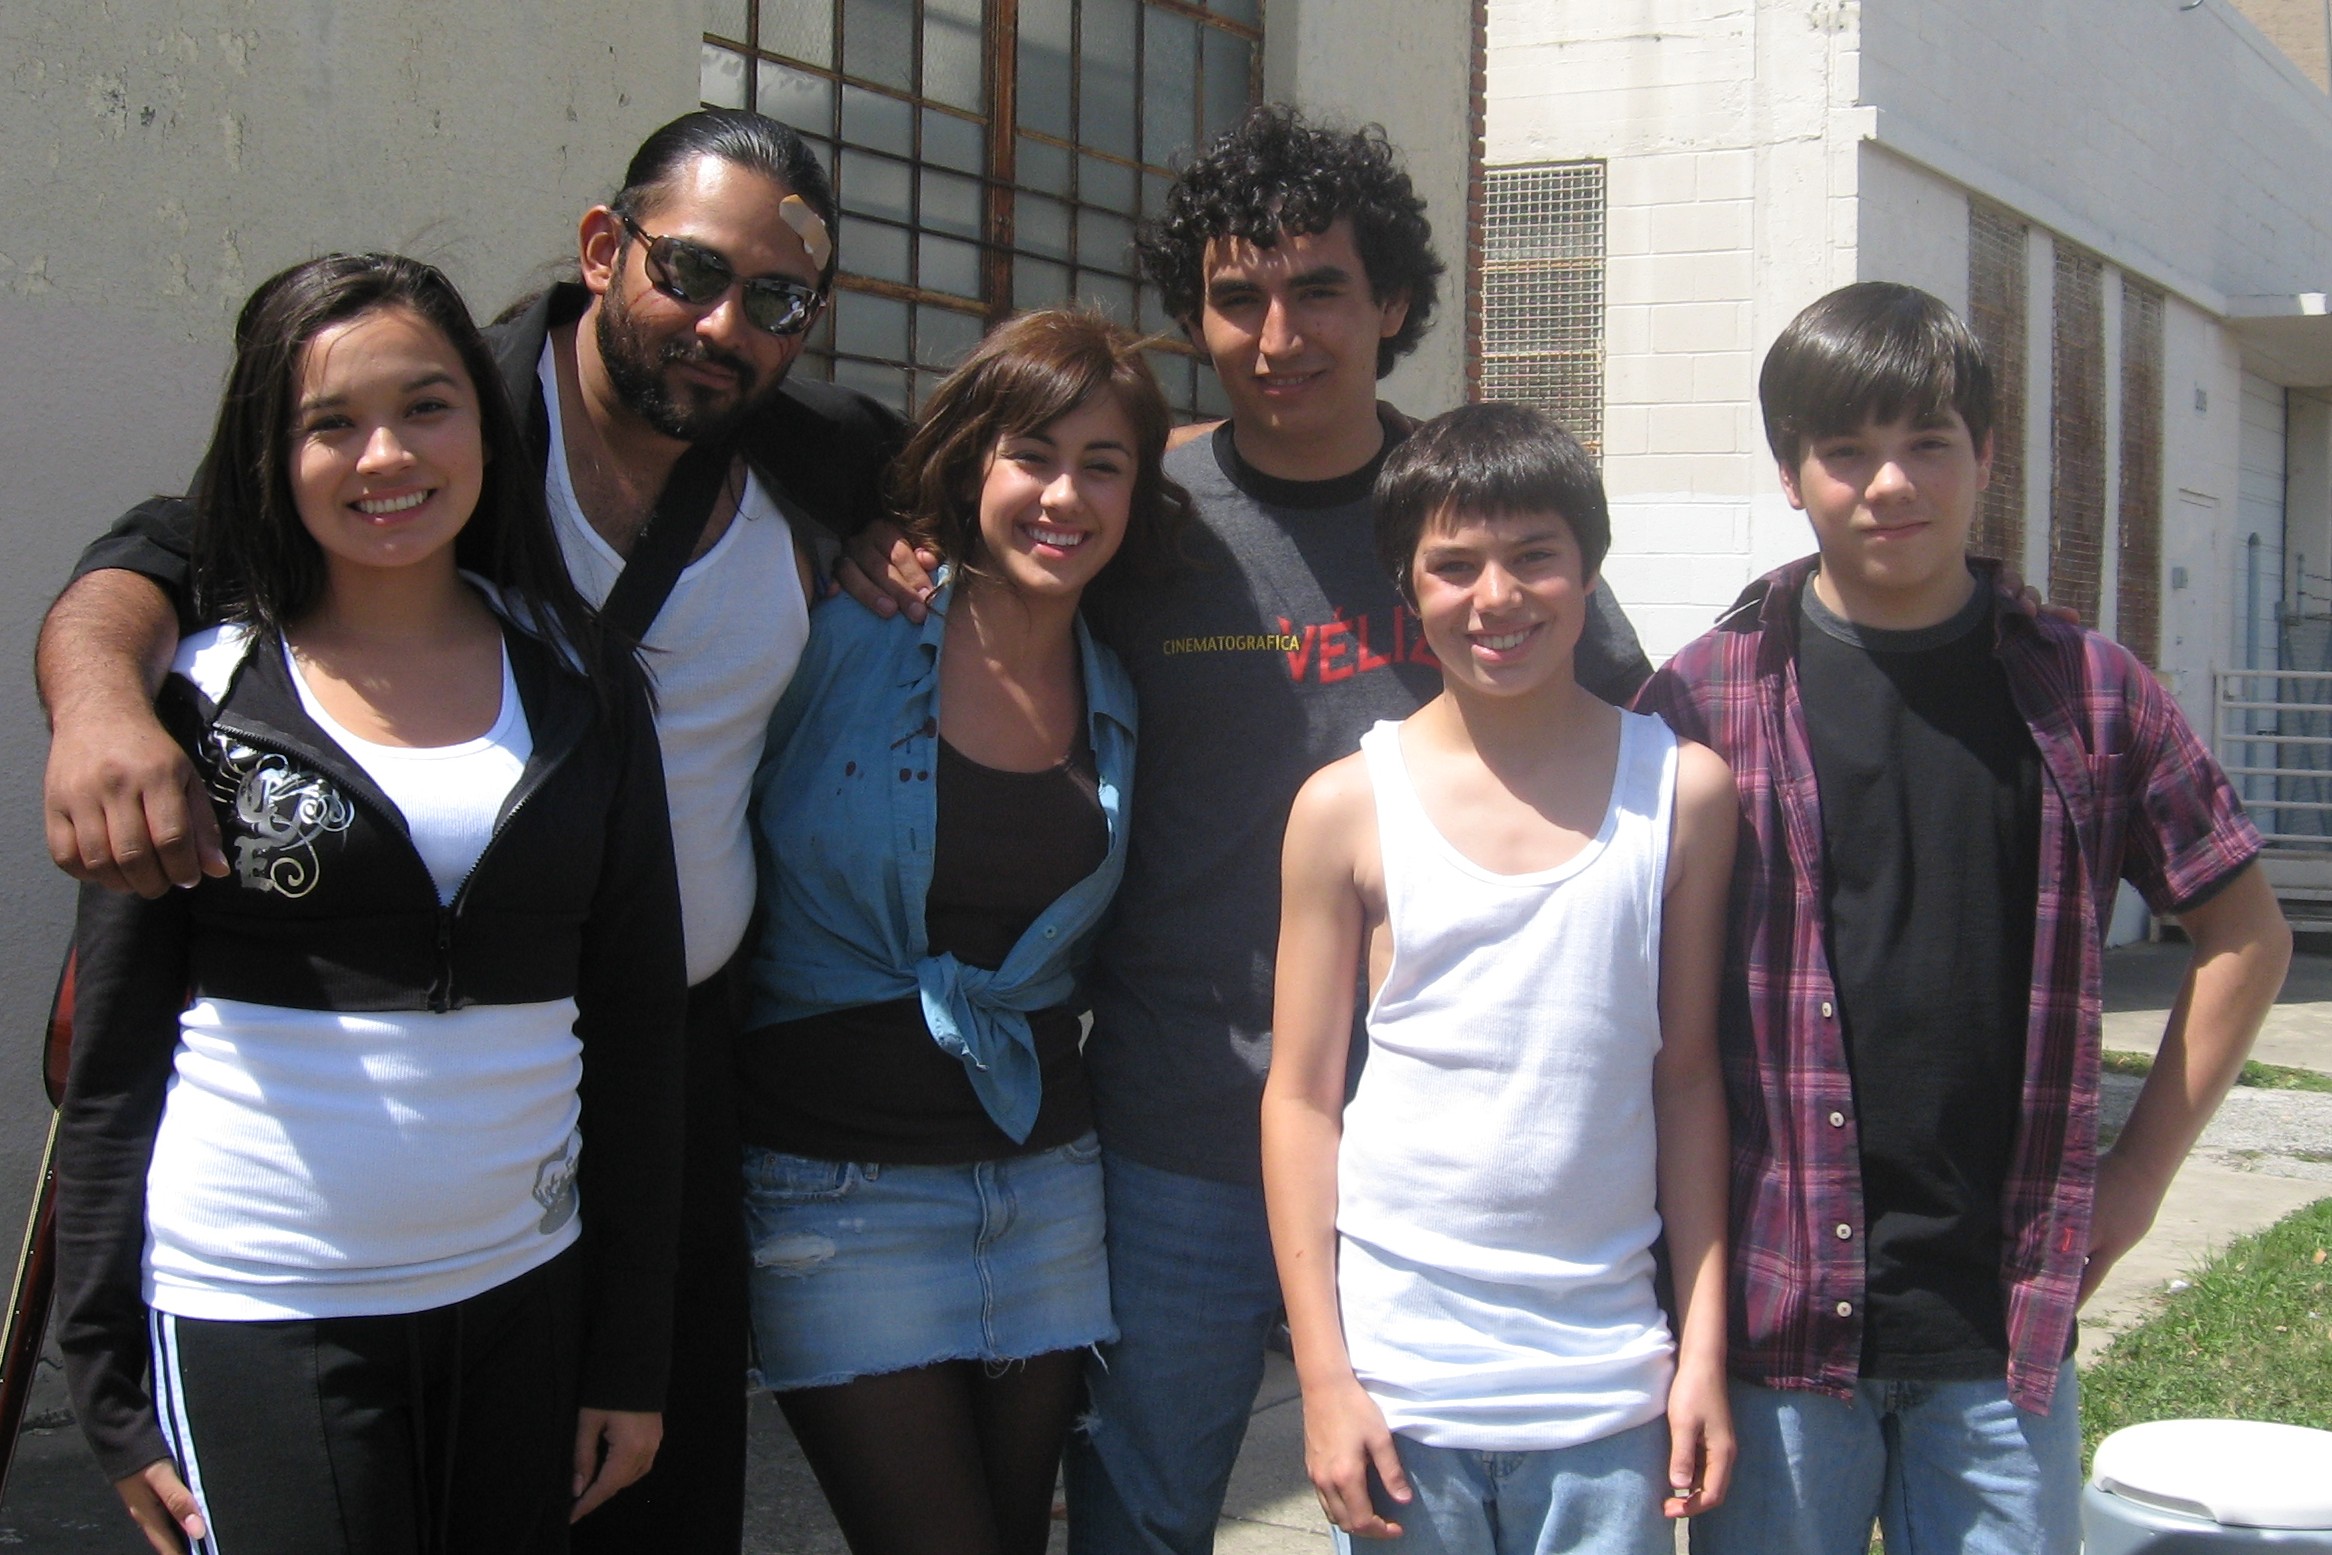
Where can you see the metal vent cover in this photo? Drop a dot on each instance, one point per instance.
(1542, 292)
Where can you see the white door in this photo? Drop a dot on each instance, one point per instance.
(2258, 549)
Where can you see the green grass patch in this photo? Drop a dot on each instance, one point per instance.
(2266, 1077)
(2251, 1336)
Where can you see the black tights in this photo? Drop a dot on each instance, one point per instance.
(952, 1459)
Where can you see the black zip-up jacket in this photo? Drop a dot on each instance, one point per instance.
(574, 895)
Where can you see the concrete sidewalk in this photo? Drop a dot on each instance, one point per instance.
(2267, 1154)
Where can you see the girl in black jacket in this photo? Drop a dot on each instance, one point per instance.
(336, 1271)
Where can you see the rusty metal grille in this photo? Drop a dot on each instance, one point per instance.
(2138, 577)
(1542, 292)
(1998, 292)
(989, 156)
(2077, 422)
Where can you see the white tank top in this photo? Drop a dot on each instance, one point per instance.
(1496, 1182)
(720, 652)
(450, 795)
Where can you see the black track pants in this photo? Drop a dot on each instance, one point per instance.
(450, 1430)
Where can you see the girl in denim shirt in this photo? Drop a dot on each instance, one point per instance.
(940, 821)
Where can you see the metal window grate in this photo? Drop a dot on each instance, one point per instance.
(1542, 292)
(2077, 428)
(989, 156)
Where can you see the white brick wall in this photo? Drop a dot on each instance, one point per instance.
(1717, 119)
(2179, 143)
(1910, 226)
(1762, 152)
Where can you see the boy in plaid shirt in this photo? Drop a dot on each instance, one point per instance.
(1938, 796)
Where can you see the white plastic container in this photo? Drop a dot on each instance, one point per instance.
(2186, 1487)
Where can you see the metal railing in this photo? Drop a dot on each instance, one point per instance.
(2272, 730)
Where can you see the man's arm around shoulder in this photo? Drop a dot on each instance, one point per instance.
(121, 804)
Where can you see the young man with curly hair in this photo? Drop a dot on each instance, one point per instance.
(1298, 260)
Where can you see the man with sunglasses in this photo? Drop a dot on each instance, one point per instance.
(698, 283)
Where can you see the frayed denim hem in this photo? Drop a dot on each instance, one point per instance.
(995, 1364)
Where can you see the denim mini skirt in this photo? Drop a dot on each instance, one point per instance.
(861, 1269)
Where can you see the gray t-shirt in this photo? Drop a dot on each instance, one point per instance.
(1260, 660)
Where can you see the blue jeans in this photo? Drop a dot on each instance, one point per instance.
(1598, 1498)
(1943, 1466)
(1195, 1295)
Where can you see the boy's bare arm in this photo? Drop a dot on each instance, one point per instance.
(1688, 1097)
(1322, 926)
(2242, 947)
(122, 806)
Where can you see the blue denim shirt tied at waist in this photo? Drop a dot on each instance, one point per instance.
(845, 806)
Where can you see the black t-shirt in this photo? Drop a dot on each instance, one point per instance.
(1930, 791)
(867, 1083)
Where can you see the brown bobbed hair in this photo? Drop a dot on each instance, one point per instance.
(1491, 459)
(1026, 374)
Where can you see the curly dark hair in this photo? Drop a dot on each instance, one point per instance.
(1274, 173)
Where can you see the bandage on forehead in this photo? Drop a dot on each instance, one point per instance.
(810, 227)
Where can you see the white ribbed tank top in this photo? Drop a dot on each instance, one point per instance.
(1496, 1182)
(720, 653)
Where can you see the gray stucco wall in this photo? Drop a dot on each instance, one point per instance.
(163, 157)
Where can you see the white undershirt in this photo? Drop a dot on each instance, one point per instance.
(721, 652)
(448, 794)
(1496, 1182)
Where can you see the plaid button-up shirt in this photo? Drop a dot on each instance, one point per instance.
(2130, 793)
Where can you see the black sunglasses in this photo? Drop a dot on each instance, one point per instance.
(694, 274)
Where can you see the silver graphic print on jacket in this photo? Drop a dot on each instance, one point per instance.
(284, 810)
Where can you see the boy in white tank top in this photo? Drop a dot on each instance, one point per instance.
(1538, 884)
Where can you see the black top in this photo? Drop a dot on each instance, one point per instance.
(868, 1083)
(1930, 797)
